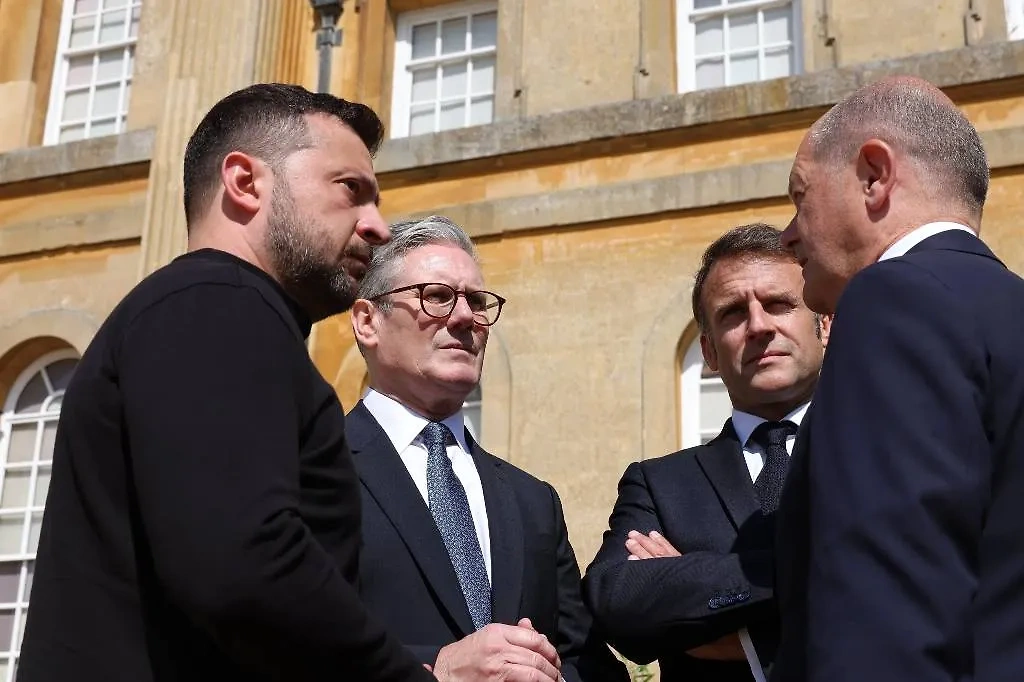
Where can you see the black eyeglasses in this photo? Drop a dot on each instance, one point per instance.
(438, 301)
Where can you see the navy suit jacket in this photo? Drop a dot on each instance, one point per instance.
(702, 500)
(407, 579)
(901, 529)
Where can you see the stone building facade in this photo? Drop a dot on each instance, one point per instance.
(591, 147)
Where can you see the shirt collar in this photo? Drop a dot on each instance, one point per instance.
(744, 423)
(403, 426)
(911, 239)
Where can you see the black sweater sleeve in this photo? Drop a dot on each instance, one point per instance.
(210, 376)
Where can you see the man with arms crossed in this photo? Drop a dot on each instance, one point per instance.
(687, 560)
(901, 530)
(464, 553)
(203, 516)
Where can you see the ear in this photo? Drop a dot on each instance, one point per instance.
(826, 328)
(246, 182)
(707, 349)
(876, 171)
(364, 326)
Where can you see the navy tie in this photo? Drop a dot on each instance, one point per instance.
(450, 508)
(772, 437)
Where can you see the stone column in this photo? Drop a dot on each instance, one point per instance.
(20, 24)
(201, 51)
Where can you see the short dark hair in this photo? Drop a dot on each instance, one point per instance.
(266, 120)
(916, 118)
(756, 240)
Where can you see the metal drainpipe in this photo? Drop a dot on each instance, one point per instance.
(328, 36)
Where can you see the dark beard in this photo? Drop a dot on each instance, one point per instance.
(314, 279)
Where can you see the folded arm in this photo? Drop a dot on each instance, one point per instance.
(667, 604)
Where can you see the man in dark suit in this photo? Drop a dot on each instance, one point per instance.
(684, 574)
(901, 530)
(464, 554)
(203, 516)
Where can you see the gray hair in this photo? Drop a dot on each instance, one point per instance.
(914, 117)
(406, 235)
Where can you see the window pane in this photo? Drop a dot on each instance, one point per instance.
(60, 372)
(424, 38)
(104, 102)
(710, 74)
(704, 4)
(481, 111)
(108, 4)
(10, 534)
(133, 29)
(421, 119)
(82, 31)
(49, 437)
(28, 580)
(23, 443)
(111, 65)
(76, 105)
(453, 115)
(15, 491)
(72, 133)
(79, 71)
(485, 30)
(424, 84)
(778, 27)
(10, 574)
(42, 486)
(32, 396)
(33, 532)
(100, 128)
(743, 69)
(85, 6)
(112, 26)
(453, 80)
(709, 36)
(715, 406)
(777, 63)
(743, 31)
(6, 628)
(453, 35)
(483, 75)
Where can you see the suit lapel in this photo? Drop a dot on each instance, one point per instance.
(506, 530)
(386, 478)
(723, 464)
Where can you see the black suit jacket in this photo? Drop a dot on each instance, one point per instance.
(901, 528)
(702, 500)
(407, 578)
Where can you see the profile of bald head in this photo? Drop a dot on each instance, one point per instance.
(918, 120)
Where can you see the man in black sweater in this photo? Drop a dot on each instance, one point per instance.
(203, 517)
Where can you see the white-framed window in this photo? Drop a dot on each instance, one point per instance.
(704, 404)
(472, 411)
(1014, 19)
(92, 75)
(28, 428)
(729, 42)
(444, 68)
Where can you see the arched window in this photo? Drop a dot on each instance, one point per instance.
(704, 404)
(472, 411)
(28, 427)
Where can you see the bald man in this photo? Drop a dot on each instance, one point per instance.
(900, 543)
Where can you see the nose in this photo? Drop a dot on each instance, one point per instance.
(788, 236)
(759, 322)
(462, 314)
(371, 226)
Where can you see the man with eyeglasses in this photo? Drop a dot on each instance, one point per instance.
(465, 557)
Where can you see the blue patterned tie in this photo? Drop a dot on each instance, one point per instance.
(450, 508)
(772, 437)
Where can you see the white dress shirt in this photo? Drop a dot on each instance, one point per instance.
(918, 235)
(744, 425)
(403, 427)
